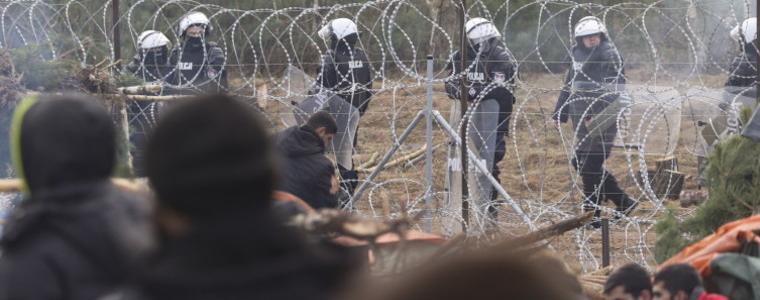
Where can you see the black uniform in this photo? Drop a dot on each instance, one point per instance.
(150, 66)
(200, 67)
(74, 236)
(346, 71)
(495, 72)
(590, 86)
(742, 80)
(305, 170)
(742, 77)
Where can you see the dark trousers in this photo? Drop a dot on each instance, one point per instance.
(598, 184)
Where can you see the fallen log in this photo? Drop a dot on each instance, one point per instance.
(546, 232)
(399, 160)
(328, 221)
(140, 89)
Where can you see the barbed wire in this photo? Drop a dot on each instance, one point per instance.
(677, 52)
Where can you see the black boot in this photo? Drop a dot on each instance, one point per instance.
(493, 209)
(625, 206)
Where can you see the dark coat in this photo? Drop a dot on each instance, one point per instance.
(494, 67)
(305, 170)
(245, 256)
(199, 67)
(150, 66)
(494, 71)
(742, 76)
(590, 86)
(78, 243)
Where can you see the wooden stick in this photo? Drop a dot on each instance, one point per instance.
(118, 61)
(13, 185)
(399, 160)
(415, 160)
(371, 161)
(140, 89)
(10, 185)
(546, 232)
(149, 98)
(100, 63)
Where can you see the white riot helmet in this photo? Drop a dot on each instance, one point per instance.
(341, 28)
(746, 32)
(588, 26)
(193, 18)
(480, 29)
(150, 39)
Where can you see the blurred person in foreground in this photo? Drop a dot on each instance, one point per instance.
(629, 282)
(484, 275)
(305, 170)
(680, 282)
(74, 235)
(210, 163)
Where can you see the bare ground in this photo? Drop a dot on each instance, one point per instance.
(536, 172)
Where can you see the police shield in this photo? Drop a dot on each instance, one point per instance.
(452, 214)
(346, 116)
(716, 111)
(481, 138)
(296, 84)
(650, 123)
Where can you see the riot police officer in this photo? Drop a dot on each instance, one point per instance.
(490, 75)
(199, 63)
(740, 90)
(591, 85)
(742, 77)
(151, 64)
(345, 71)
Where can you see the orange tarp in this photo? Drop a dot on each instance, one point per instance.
(728, 238)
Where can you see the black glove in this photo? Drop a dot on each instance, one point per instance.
(452, 89)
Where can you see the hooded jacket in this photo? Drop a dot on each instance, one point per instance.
(242, 257)
(74, 236)
(305, 170)
(345, 70)
(591, 84)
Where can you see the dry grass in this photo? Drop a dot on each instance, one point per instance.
(535, 171)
